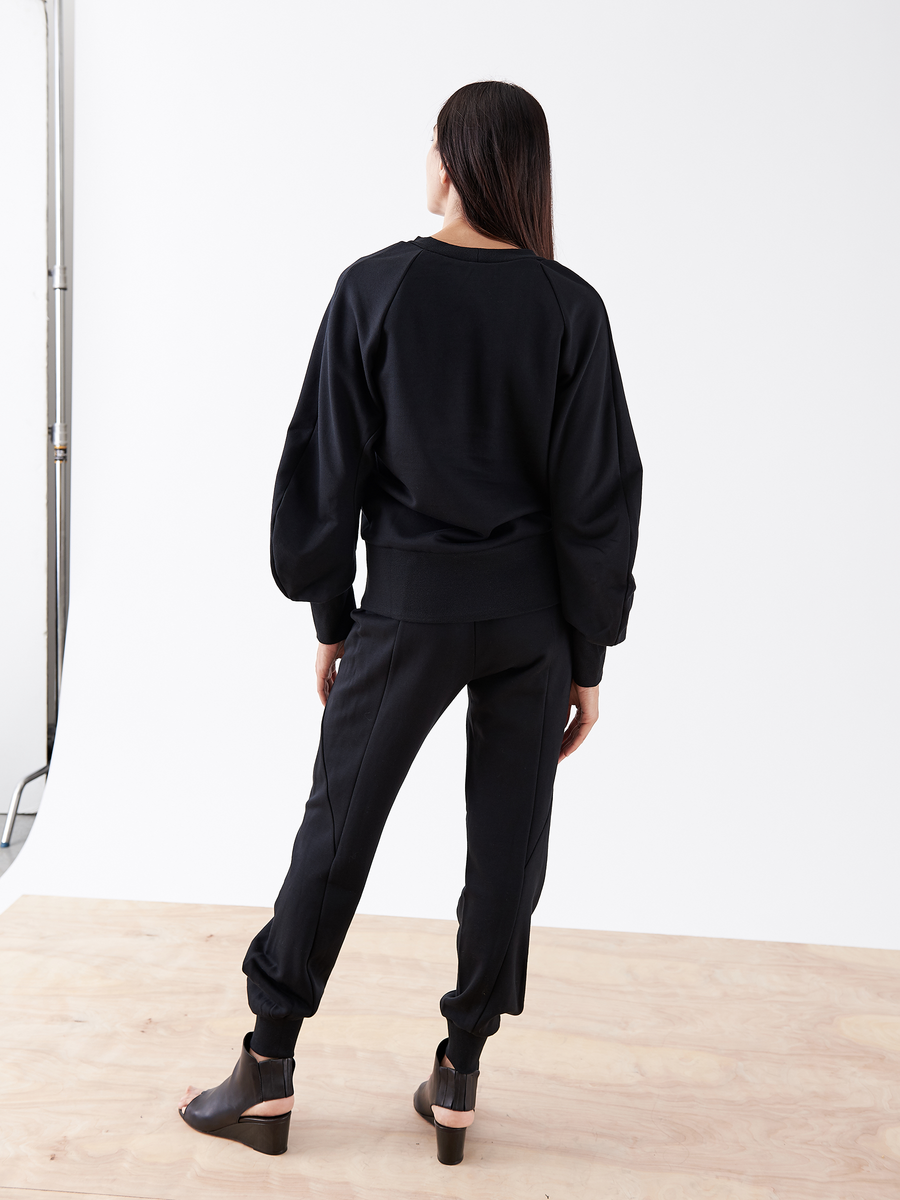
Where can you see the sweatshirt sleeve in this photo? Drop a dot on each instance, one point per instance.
(321, 478)
(595, 478)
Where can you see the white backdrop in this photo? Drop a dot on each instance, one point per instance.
(23, 397)
(726, 176)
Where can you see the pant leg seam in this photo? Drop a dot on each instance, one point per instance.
(528, 859)
(362, 757)
(337, 839)
(538, 842)
(328, 795)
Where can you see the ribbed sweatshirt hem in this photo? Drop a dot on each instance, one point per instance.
(424, 585)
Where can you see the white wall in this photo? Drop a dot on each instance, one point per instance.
(23, 397)
(725, 176)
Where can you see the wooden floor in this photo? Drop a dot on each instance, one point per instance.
(644, 1067)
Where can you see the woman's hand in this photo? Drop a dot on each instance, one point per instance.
(326, 672)
(587, 708)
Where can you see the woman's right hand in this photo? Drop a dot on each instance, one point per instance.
(326, 656)
(586, 701)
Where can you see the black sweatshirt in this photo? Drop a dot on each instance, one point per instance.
(468, 403)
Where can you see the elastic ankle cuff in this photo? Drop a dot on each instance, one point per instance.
(464, 1049)
(275, 1039)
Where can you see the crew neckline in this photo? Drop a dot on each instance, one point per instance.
(473, 253)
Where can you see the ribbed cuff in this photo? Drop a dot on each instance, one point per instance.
(275, 1039)
(464, 1048)
(587, 659)
(332, 617)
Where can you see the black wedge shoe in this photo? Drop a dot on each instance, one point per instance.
(218, 1110)
(448, 1088)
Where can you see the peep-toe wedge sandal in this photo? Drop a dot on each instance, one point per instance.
(447, 1088)
(218, 1110)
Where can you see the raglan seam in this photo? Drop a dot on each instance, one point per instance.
(414, 258)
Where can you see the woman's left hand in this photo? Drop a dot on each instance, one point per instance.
(586, 702)
(326, 671)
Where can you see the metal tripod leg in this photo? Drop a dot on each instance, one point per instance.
(14, 805)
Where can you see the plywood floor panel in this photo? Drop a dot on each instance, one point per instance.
(32, 1194)
(643, 1067)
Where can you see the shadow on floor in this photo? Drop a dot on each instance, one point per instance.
(21, 830)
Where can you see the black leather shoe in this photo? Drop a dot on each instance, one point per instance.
(448, 1088)
(218, 1110)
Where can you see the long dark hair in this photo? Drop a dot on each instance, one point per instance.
(493, 141)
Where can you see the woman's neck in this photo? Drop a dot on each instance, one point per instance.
(458, 232)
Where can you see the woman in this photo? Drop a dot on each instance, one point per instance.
(463, 395)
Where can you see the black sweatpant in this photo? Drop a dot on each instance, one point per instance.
(394, 681)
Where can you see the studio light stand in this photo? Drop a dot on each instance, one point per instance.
(59, 430)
